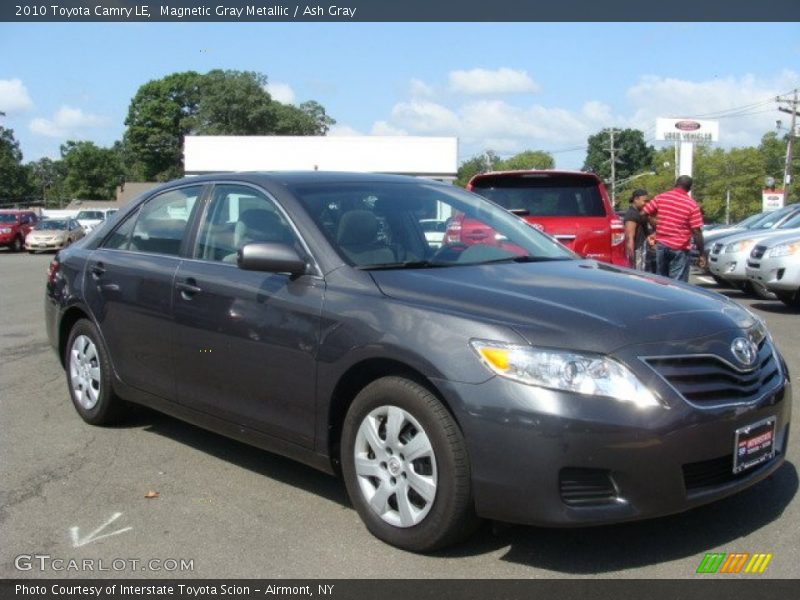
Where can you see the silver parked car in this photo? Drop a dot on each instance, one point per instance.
(728, 256)
(775, 264)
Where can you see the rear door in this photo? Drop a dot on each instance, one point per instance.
(128, 285)
(569, 207)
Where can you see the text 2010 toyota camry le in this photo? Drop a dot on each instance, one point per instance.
(307, 313)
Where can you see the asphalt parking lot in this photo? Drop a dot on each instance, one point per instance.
(75, 492)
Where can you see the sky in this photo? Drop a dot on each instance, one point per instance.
(506, 87)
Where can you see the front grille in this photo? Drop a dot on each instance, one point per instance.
(709, 381)
(586, 487)
(758, 252)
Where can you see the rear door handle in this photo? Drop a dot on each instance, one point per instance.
(97, 270)
(188, 288)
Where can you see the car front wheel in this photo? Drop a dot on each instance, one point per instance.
(89, 376)
(406, 467)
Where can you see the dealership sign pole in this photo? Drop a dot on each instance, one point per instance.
(686, 132)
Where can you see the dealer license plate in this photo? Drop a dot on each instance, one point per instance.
(754, 445)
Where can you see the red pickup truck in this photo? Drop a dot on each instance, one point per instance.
(571, 206)
(14, 226)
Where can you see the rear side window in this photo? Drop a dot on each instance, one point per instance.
(159, 225)
(544, 196)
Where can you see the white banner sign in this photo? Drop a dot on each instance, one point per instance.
(687, 130)
(771, 200)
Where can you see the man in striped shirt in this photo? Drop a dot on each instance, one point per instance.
(678, 220)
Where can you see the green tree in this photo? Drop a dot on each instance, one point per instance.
(633, 155)
(530, 159)
(477, 164)
(221, 102)
(160, 115)
(47, 180)
(92, 173)
(14, 176)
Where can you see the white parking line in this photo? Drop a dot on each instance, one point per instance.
(704, 279)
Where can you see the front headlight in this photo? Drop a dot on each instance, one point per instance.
(784, 250)
(588, 374)
(740, 246)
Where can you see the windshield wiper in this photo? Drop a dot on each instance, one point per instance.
(411, 264)
(522, 259)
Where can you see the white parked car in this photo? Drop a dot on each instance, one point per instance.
(91, 218)
(775, 264)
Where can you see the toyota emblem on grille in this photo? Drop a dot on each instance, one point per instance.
(745, 351)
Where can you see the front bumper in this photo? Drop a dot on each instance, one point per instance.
(729, 266)
(528, 445)
(779, 274)
(34, 245)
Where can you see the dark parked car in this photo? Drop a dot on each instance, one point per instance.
(307, 313)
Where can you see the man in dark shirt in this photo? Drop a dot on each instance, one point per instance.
(637, 230)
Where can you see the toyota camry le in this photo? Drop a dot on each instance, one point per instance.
(308, 314)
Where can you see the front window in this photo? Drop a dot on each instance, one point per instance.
(8, 218)
(51, 225)
(90, 215)
(382, 225)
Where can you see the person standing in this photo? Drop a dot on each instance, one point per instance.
(679, 220)
(637, 230)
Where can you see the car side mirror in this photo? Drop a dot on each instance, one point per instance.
(271, 258)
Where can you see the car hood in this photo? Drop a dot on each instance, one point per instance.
(756, 234)
(581, 305)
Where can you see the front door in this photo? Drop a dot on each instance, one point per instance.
(246, 341)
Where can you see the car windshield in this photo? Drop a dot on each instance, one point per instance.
(543, 195)
(771, 219)
(51, 224)
(377, 225)
(90, 215)
(8, 218)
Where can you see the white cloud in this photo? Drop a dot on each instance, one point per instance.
(420, 89)
(282, 92)
(500, 81)
(341, 130)
(422, 116)
(384, 128)
(14, 96)
(744, 106)
(67, 121)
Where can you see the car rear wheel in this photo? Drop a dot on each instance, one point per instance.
(89, 376)
(17, 245)
(406, 467)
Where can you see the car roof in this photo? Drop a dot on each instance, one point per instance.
(538, 172)
(305, 177)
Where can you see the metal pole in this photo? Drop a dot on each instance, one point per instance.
(728, 207)
(787, 169)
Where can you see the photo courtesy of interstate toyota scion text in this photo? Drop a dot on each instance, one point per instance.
(446, 380)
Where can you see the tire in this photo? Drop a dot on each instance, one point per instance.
(791, 299)
(17, 245)
(720, 281)
(419, 503)
(31, 251)
(89, 376)
(762, 292)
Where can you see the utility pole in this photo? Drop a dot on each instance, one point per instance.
(787, 168)
(612, 149)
